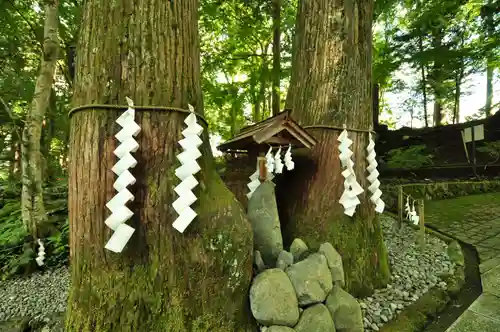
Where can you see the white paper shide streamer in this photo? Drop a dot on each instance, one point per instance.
(288, 159)
(270, 161)
(254, 182)
(373, 174)
(120, 213)
(413, 214)
(278, 164)
(189, 167)
(41, 253)
(407, 208)
(352, 189)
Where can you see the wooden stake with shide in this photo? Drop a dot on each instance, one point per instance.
(262, 168)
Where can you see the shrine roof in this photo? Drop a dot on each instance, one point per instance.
(278, 130)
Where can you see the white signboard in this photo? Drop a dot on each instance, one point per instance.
(478, 133)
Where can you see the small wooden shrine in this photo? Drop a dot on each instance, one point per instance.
(279, 130)
(252, 142)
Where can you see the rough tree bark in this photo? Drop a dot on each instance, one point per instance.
(163, 280)
(33, 209)
(331, 85)
(437, 78)
(423, 79)
(376, 104)
(276, 14)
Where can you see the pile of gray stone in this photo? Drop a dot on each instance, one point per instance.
(413, 273)
(303, 291)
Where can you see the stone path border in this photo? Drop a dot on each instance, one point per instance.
(483, 232)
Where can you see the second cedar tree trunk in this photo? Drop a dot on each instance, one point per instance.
(331, 85)
(163, 280)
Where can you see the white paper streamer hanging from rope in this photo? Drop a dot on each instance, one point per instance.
(352, 189)
(189, 167)
(254, 181)
(278, 165)
(270, 161)
(41, 253)
(373, 174)
(120, 213)
(288, 158)
(407, 208)
(413, 214)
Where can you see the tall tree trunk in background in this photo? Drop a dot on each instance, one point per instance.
(424, 93)
(276, 14)
(437, 78)
(15, 146)
(163, 280)
(234, 110)
(331, 85)
(423, 78)
(254, 95)
(456, 102)
(438, 111)
(490, 29)
(33, 209)
(269, 101)
(260, 106)
(47, 136)
(458, 92)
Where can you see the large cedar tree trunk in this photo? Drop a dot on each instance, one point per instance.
(33, 209)
(163, 280)
(331, 85)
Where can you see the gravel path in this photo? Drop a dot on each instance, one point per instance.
(413, 274)
(42, 295)
(38, 296)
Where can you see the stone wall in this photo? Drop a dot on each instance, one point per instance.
(436, 191)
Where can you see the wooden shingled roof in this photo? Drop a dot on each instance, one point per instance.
(280, 129)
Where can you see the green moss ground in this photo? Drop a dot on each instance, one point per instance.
(476, 207)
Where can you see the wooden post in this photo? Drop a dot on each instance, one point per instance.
(422, 225)
(262, 168)
(400, 206)
(473, 151)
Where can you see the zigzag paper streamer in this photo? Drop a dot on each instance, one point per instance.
(278, 165)
(120, 213)
(189, 167)
(41, 253)
(254, 182)
(407, 207)
(413, 214)
(352, 189)
(270, 161)
(288, 158)
(373, 174)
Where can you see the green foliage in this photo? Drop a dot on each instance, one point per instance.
(17, 249)
(440, 43)
(409, 157)
(492, 149)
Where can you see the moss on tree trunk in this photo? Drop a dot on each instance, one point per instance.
(331, 85)
(163, 280)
